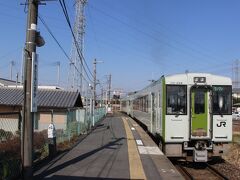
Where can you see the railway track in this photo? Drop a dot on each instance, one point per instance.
(236, 122)
(199, 171)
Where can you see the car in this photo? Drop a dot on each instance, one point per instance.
(236, 115)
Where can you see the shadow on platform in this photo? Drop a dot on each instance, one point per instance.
(48, 172)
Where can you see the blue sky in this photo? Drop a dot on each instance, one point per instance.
(138, 40)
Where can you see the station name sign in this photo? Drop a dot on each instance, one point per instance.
(34, 82)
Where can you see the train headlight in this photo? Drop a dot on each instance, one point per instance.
(185, 144)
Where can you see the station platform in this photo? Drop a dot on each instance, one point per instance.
(118, 148)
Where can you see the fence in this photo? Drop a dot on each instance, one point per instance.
(10, 145)
(69, 125)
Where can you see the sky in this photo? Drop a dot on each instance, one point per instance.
(137, 40)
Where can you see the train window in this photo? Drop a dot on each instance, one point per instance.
(199, 102)
(176, 99)
(222, 100)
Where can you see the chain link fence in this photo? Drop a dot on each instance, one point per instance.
(69, 126)
(10, 145)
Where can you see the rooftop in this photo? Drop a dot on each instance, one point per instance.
(46, 98)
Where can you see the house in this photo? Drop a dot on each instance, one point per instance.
(63, 105)
(7, 83)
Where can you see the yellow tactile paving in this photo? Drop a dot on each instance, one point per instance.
(135, 164)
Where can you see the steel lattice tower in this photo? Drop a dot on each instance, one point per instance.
(75, 75)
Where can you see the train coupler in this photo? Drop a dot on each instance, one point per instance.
(200, 155)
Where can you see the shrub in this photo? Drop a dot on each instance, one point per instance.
(39, 140)
(11, 147)
(5, 135)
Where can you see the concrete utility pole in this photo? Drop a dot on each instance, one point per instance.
(30, 48)
(109, 87)
(102, 97)
(12, 63)
(58, 73)
(95, 79)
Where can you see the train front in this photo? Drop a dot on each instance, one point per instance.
(200, 107)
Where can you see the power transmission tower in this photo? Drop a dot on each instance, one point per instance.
(75, 75)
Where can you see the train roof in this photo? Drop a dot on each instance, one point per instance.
(184, 79)
(188, 78)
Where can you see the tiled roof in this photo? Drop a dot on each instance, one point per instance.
(46, 98)
(7, 82)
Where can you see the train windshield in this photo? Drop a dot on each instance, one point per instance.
(176, 99)
(222, 100)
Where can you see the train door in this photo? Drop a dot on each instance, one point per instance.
(200, 123)
(158, 111)
(153, 113)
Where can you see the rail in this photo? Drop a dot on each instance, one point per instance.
(199, 171)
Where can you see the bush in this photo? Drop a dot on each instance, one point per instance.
(11, 147)
(39, 140)
(5, 135)
(10, 156)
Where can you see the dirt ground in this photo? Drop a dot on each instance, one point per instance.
(233, 154)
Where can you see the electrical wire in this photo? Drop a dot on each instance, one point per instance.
(25, 6)
(153, 37)
(75, 41)
(63, 5)
(166, 29)
(59, 45)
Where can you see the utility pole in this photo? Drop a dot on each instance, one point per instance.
(12, 63)
(33, 39)
(95, 79)
(102, 97)
(109, 87)
(16, 80)
(58, 73)
(235, 74)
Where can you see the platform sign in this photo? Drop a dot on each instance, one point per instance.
(34, 82)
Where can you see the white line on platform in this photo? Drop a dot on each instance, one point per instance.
(139, 142)
(149, 150)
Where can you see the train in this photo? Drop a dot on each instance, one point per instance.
(190, 114)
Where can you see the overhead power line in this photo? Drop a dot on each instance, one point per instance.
(63, 5)
(59, 45)
(52, 35)
(117, 19)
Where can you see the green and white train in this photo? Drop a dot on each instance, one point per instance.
(190, 113)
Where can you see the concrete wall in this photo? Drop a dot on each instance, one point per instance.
(9, 123)
(44, 119)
